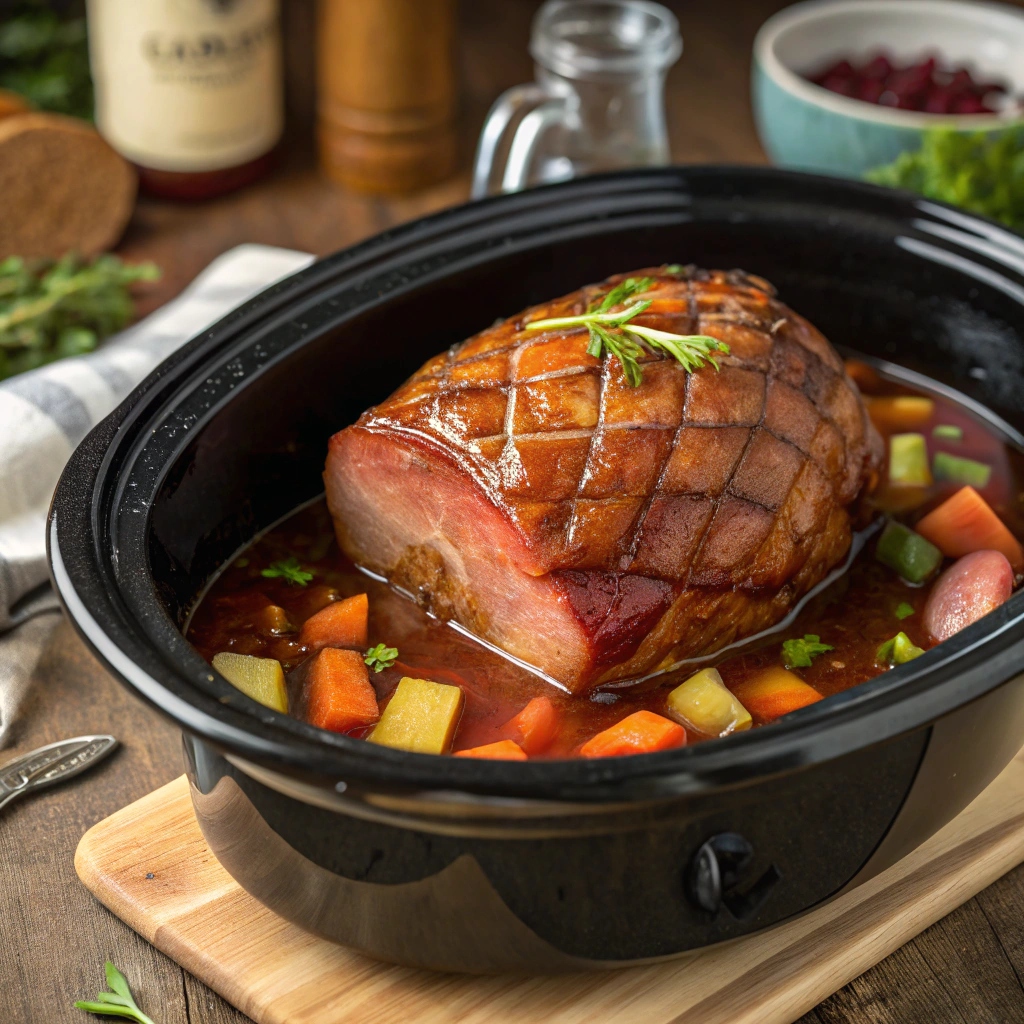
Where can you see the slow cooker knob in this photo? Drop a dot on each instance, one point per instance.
(716, 871)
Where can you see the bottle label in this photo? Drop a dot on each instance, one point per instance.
(187, 85)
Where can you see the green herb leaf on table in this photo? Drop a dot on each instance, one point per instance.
(381, 657)
(613, 333)
(119, 1002)
(982, 172)
(800, 653)
(288, 569)
(52, 309)
(904, 610)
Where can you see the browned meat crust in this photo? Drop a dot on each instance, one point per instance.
(659, 522)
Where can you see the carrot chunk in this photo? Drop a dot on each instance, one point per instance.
(642, 732)
(536, 725)
(774, 693)
(340, 624)
(965, 523)
(339, 694)
(503, 750)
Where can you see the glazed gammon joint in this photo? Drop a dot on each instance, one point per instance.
(598, 529)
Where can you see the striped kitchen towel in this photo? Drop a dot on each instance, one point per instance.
(46, 412)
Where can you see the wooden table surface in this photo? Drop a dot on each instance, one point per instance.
(53, 936)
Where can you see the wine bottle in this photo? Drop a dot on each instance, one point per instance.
(189, 90)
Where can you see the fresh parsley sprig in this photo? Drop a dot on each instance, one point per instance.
(982, 172)
(381, 657)
(288, 569)
(800, 653)
(621, 292)
(615, 335)
(119, 1002)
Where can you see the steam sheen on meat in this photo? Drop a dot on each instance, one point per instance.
(598, 531)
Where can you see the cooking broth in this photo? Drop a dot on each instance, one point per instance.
(245, 612)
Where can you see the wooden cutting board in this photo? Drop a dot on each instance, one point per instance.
(150, 865)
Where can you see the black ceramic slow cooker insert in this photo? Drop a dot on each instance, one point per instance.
(473, 865)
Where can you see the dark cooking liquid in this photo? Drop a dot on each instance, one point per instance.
(855, 614)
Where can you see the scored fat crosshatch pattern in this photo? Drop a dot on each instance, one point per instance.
(734, 459)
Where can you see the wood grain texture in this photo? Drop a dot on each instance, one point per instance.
(53, 935)
(387, 93)
(150, 865)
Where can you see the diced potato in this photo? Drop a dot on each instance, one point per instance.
(704, 704)
(421, 716)
(259, 678)
(908, 460)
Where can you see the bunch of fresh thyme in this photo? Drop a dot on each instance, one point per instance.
(615, 334)
(52, 309)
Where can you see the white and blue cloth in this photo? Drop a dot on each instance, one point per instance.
(45, 413)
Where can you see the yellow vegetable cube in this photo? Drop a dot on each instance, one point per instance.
(703, 703)
(421, 716)
(908, 460)
(899, 412)
(259, 678)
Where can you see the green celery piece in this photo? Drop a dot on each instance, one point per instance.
(904, 610)
(960, 470)
(908, 460)
(898, 651)
(913, 557)
(947, 432)
(904, 650)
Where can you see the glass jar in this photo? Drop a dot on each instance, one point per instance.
(597, 101)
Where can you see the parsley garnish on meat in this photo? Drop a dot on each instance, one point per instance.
(288, 569)
(800, 653)
(118, 1002)
(381, 657)
(613, 334)
(622, 291)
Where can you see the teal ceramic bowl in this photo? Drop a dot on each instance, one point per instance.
(806, 127)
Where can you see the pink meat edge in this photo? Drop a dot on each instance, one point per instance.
(389, 493)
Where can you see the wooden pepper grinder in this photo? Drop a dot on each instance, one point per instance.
(386, 103)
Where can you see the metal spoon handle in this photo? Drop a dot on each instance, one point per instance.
(51, 764)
